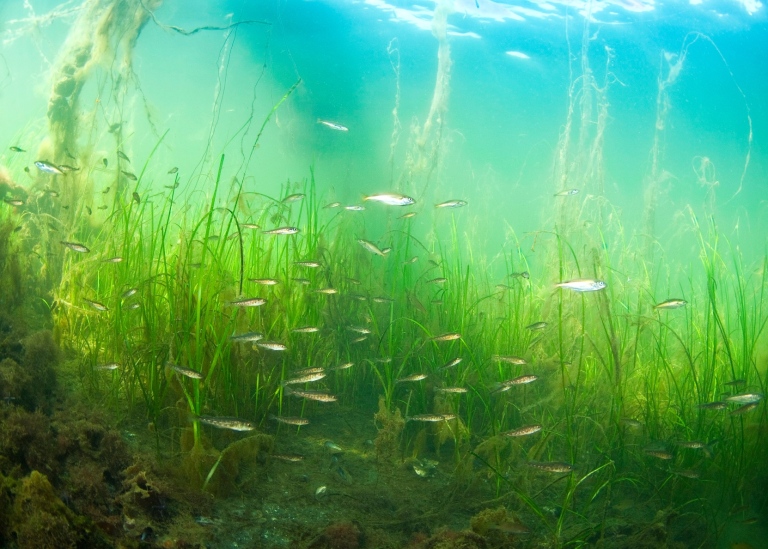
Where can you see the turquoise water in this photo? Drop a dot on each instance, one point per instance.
(653, 114)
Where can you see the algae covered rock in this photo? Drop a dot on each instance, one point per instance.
(40, 520)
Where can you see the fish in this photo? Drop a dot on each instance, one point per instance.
(75, 247)
(290, 458)
(102, 208)
(249, 226)
(289, 420)
(671, 304)
(132, 306)
(129, 293)
(105, 162)
(332, 447)
(716, 405)
(332, 125)
(451, 204)
(306, 330)
(47, 167)
(630, 422)
(115, 127)
(452, 390)
(523, 431)
(13, 201)
(307, 264)
(551, 466)
(283, 231)
(327, 291)
(89, 210)
(293, 198)
(687, 473)
(17, 149)
(332, 205)
(248, 302)
(247, 337)
(116, 259)
(536, 326)
(359, 339)
(438, 280)
(186, 372)
(431, 418)
(412, 260)
(582, 285)
(371, 247)
(359, 329)
(302, 281)
(123, 156)
(507, 385)
(271, 345)
(390, 199)
(317, 396)
(659, 454)
(744, 409)
(509, 359)
(265, 281)
(382, 299)
(450, 364)
(383, 360)
(173, 171)
(408, 215)
(414, 377)
(745, 398)
(690, 444)
(129, 175)
(736, 382)
(523, 274)
(52, 193)
(450, 336)
(344, 366)
(354, 208)
(67, 169)
(567, 192)
(105, 191)
(231, 423)
(109, 366)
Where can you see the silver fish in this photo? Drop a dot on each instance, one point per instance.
(431, 418)
(582, 285)
(451, 204)
(289, 420)
(371, 247)
(96, 305)
(391, 199)
(247, 337)
(231, 423)
(283, 230)
(671, 304)
(75, 247)
(523, 431)
(317, 396)
(248, 302)
(272, 345)
(309, 378)
(332, 125)
(186, 372)
(567, 192)
(745, 398)
(47, 167)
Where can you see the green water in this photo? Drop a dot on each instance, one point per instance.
(495, 364)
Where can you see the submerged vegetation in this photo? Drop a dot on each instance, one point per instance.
(536, 391)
